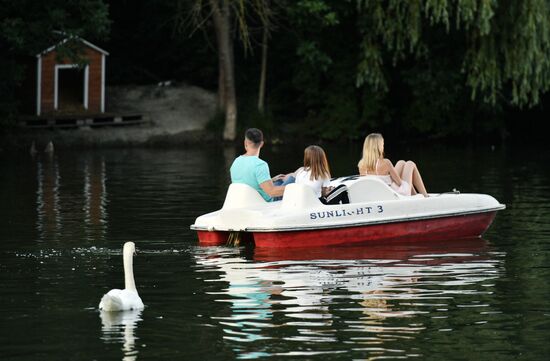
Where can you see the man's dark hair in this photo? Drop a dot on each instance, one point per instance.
(254, 135)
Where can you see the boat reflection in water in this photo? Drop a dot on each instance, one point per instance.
(119, 327)
(372, 297)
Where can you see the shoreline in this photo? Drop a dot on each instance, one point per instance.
(96, 138)
(172, 116)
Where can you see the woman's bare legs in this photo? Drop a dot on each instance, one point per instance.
(399, 167)
(406, 173)
(412, 175)
(407, 177)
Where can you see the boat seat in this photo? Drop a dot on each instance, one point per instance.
(299, 196)
(241, 195)
(367, 189)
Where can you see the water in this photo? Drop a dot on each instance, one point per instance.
(65, 218)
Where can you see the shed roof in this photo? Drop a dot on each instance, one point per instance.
(69, 38)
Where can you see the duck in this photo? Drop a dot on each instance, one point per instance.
(128, 298)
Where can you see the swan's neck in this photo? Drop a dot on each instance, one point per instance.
(129, 283)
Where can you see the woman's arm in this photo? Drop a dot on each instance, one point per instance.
(391, 170)
(285, 176)
(326, 190)
(293, 174)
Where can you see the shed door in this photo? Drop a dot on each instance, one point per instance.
(71, 89)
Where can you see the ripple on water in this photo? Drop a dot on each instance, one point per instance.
(374, 301)
(62, 244)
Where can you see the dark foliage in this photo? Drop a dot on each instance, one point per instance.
(336, 69)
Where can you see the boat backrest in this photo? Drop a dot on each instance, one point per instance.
(299, 196)
(367, 189)
(242, 196)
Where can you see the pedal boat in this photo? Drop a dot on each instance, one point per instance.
(375, 214)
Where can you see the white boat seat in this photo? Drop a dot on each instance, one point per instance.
(241, 195)
(367, 189)
(299, 196)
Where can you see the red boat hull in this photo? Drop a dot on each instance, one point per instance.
(433, 229)
(213, 238)
(460, 250)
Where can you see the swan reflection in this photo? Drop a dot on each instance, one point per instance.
(120, 327)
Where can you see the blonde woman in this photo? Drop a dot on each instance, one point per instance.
(316, 174)
(404, 178)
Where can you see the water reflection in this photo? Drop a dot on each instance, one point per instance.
(47, 198)
(371, 297)
(95, 196)
(229, 155)
(120, 327)
(64, 203)
(436, 302)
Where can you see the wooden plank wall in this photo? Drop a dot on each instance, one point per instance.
(94, 82)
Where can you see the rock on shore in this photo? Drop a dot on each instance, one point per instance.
(172, 109)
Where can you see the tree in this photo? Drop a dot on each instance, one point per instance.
(505, 50)
(263, 71)
(224, 13)
(221, 15)
(415, 63)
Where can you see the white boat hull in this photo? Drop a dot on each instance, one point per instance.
(375, 214)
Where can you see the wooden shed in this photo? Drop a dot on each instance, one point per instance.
(63, 86)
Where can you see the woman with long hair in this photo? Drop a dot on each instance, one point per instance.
(404, 178)
(316, 174)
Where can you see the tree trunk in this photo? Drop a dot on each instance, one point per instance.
(222, 97)
(221, 16)
(261, 91)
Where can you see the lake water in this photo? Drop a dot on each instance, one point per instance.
(65, 218)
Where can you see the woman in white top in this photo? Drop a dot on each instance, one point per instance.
(404, 178)
(316, 174)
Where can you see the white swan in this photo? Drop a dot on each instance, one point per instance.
(128, 298)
